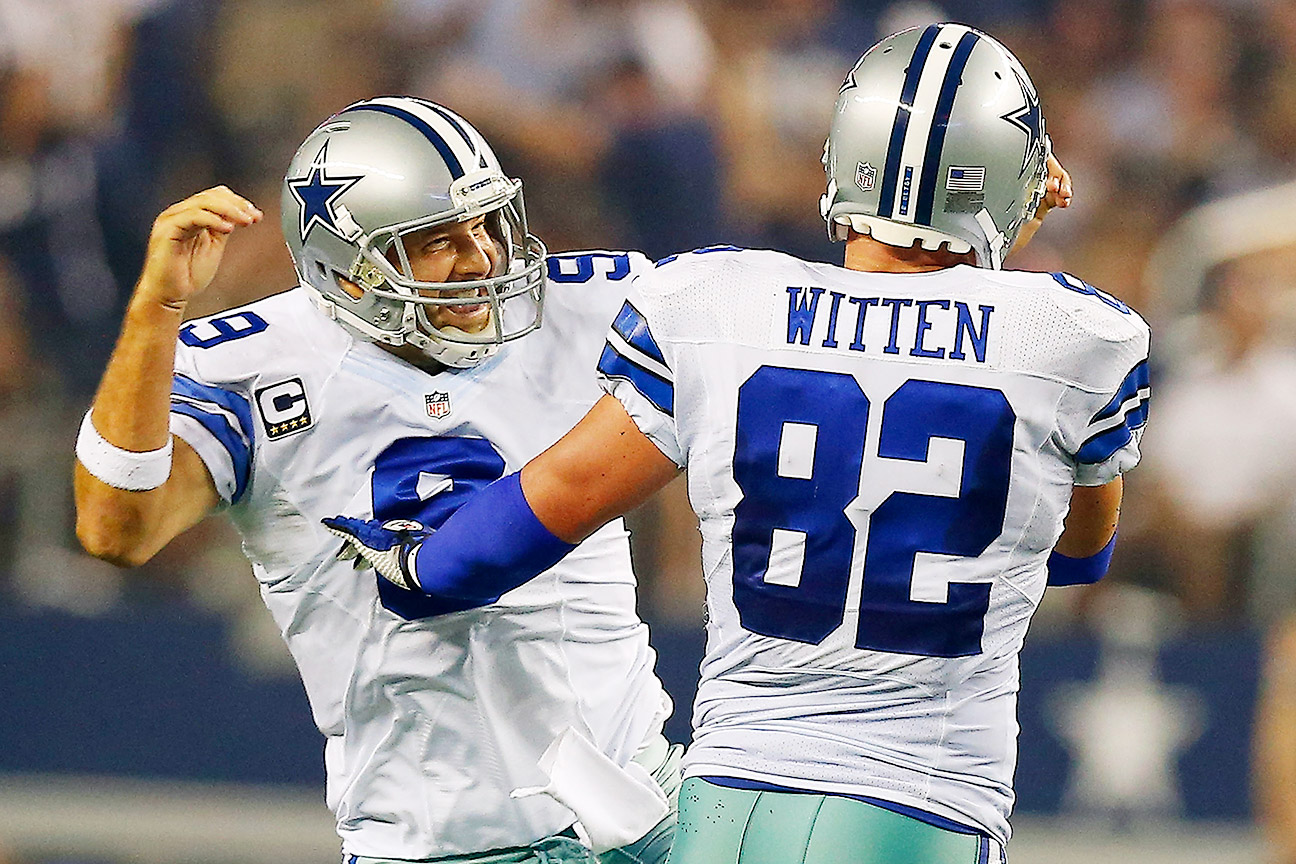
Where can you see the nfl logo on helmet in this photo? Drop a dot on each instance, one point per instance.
(865, 176)
(438, 404)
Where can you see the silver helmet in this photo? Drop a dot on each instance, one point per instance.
(371, 175)
(937, 137)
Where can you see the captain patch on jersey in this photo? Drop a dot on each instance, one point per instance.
(283, 408)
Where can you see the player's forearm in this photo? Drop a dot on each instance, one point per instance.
(131, 411)
(601, 469)
(1275, 744)
(487, 547)
(131, 408)
(1092, 519)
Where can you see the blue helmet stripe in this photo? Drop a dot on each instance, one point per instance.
(452, 120)
(452, 161)
(652, 386)
(891, 173)
(940, 123)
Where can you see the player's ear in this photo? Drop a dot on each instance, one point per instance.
(354, 291)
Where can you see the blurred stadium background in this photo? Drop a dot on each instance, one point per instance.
(153, 715)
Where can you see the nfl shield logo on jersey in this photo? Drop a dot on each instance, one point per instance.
(438, 404)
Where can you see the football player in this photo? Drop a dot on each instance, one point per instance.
(407, 370)
(889, 460)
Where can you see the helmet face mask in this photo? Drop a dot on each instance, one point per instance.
(379, 172)
(937, 139)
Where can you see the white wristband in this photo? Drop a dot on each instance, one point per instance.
(122, 469)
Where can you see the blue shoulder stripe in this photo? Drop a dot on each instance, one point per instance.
(212, 407)
(631, 325)
(1130, 404)
(1138, 379)
(652, 386)
(1104, 445)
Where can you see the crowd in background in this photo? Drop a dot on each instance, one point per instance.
(664, 125)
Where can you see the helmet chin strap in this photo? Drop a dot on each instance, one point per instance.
(455, 354)
(996, 237)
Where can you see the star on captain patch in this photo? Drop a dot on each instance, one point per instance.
(316, 192)
(438, 404)
(865, 176)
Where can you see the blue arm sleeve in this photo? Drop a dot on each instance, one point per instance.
(1080, 571)
(489, 546)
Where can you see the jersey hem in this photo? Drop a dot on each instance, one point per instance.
(703, 770)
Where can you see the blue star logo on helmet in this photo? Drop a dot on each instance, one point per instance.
(316, 192)
(1029, 119)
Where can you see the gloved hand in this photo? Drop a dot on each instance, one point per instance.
(388, 546)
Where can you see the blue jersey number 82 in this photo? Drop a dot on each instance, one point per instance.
(803, 508)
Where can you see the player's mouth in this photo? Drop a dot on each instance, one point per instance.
(464, 308)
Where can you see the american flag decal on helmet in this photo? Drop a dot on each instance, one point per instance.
(965, 178)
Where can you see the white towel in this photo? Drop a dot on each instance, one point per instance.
(614, 806)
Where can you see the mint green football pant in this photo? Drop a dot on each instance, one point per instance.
(722, 825)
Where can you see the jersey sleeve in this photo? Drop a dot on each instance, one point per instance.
(1104, 424)
(590, 285)
(634, 369)
(217, 422)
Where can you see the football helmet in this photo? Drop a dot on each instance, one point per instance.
(937, 137)
(371, 175)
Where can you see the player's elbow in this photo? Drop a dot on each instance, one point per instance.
(108, 528)
(107, 542)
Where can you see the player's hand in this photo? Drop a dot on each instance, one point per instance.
(187, 242)
(387, 546)
(1058, 192)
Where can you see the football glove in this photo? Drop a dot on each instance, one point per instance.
(389, 546)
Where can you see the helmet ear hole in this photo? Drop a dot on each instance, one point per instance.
(349, 288)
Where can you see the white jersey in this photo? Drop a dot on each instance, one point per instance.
(430, 722)
(881, 465)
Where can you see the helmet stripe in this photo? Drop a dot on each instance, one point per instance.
(913, 147)
(936, 138)
(452, 120)
(443, 147)
(900, 126)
